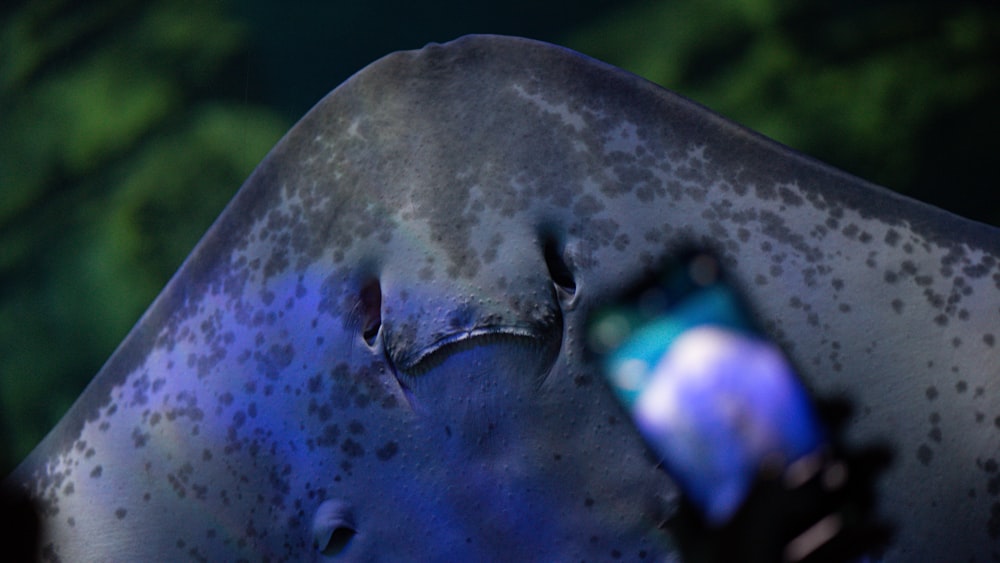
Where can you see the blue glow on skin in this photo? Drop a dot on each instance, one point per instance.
(713, 400)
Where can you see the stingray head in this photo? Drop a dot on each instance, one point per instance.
(451, 214)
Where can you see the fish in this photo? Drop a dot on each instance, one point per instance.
(377, 351)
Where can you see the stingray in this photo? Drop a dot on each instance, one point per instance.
(377, 350)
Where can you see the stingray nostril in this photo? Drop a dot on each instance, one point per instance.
(559, 270)
(333, 527)
(337, 543)
(371, 311)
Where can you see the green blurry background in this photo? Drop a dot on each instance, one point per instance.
(126, 126)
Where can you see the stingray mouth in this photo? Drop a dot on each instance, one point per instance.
(537, 342)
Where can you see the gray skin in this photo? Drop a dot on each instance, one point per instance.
(382, 335)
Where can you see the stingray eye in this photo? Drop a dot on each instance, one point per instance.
(559, 270)
(371, 311)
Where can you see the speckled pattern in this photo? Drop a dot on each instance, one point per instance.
(375, 352)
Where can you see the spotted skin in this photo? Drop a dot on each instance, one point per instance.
(376, 350)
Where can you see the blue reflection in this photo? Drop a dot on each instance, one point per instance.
(715, 400)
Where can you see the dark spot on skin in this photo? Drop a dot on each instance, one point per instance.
(892, 237)
(961, 386)
(315, 383)
(890, 277)
(935, 435)
(988, 339)
(389, 402)
(897, 305)
(993, 525)
(139, 438)
(924, 454)
(120, 513)
(277, 358)
(352, 448)
(96, 472)
(931, 393)
(387, 451)
(355, 427)
(330, 436)
(588, 502)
